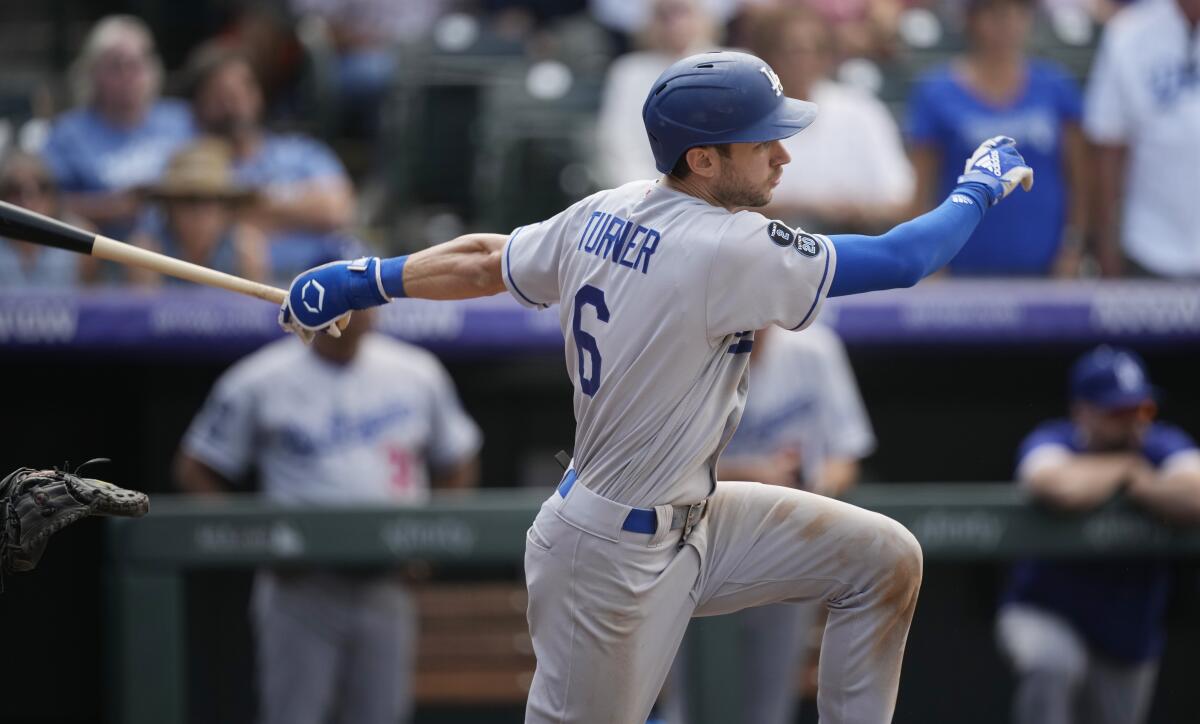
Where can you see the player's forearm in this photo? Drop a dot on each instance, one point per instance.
(1174, 496)
(1106, 216)
(837, 476)
(196, 478)
(909, 252)
(463, 268)
(1083, 482)
(459, 477)
(1075, 166)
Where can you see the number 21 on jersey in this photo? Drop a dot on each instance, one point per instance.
(584, 342)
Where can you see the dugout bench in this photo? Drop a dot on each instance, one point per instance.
(148, 557)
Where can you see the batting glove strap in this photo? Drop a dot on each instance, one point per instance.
(364, 285)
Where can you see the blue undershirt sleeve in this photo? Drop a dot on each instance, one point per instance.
(911, 251)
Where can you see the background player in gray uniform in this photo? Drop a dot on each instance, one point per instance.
(804, 426)
(660, 285)
(363, 418)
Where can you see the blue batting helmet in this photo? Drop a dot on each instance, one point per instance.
(1111, 377)
(720, 97)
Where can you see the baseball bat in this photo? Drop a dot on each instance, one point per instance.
(25, 225)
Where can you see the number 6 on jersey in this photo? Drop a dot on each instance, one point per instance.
(588, 295)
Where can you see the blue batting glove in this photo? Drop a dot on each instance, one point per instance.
(322, 298)
(998, 167)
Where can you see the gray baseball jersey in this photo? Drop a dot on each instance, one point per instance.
(803, 396)
(659, 293)
(322, 433)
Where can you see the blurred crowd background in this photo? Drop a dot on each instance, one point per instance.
(262, 138)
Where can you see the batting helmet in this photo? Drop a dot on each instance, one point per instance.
(720, 97)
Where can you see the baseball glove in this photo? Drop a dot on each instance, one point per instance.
(36, 504)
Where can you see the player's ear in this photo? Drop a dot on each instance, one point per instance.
(702, 160)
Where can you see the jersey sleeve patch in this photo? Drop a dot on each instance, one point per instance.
(807, 244)
(780, 235)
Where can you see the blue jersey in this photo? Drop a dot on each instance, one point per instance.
(86, 154)
(278, 166)
(1117, 605)
(1021, 236)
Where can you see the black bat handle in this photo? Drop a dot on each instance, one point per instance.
(25, 225)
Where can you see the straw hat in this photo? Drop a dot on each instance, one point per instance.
(203, 170)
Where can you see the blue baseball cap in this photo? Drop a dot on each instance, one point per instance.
(1112, 378)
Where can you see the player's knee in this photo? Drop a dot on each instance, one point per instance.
(1062, 667)
(901, 558)
(1041, 645)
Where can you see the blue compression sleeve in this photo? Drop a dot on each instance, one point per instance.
(391, 273)
(911, 251)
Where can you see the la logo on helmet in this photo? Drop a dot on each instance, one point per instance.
(772, 76)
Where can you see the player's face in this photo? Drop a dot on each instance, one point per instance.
(749, 174)
(1114, 429)
(342, 349)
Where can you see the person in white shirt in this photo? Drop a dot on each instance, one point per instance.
(804, 426)
(360, 419)
(1142, 110)
(866, 181)
(676, 28)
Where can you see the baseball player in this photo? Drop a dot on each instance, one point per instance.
(804, 426)
(358, 419)
(1085, 637)
(660, 284)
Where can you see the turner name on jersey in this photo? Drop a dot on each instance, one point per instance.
(623, 242)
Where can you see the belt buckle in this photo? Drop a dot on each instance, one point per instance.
(695, 512)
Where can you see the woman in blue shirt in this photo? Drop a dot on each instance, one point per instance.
(996, 88)
(121, 134)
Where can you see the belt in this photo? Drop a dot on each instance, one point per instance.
(645, 520)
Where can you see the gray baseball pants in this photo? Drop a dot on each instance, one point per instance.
(773, 641)
(1060, 681)
(608, 608)
(333, 649)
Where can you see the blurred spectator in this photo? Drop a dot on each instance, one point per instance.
(859, 178)
(25, 181)
(996, 89)
(360, 419)
(305, 195)
(636, 21)
(1143, 112)
(806, 430)
(374, 23)
(677, 28)
(365, 36)
(199, 216)
(268, 37)
(1085, 637)
(858, 28)
(121, 133)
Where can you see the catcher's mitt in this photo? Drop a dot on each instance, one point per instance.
(36, 504)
